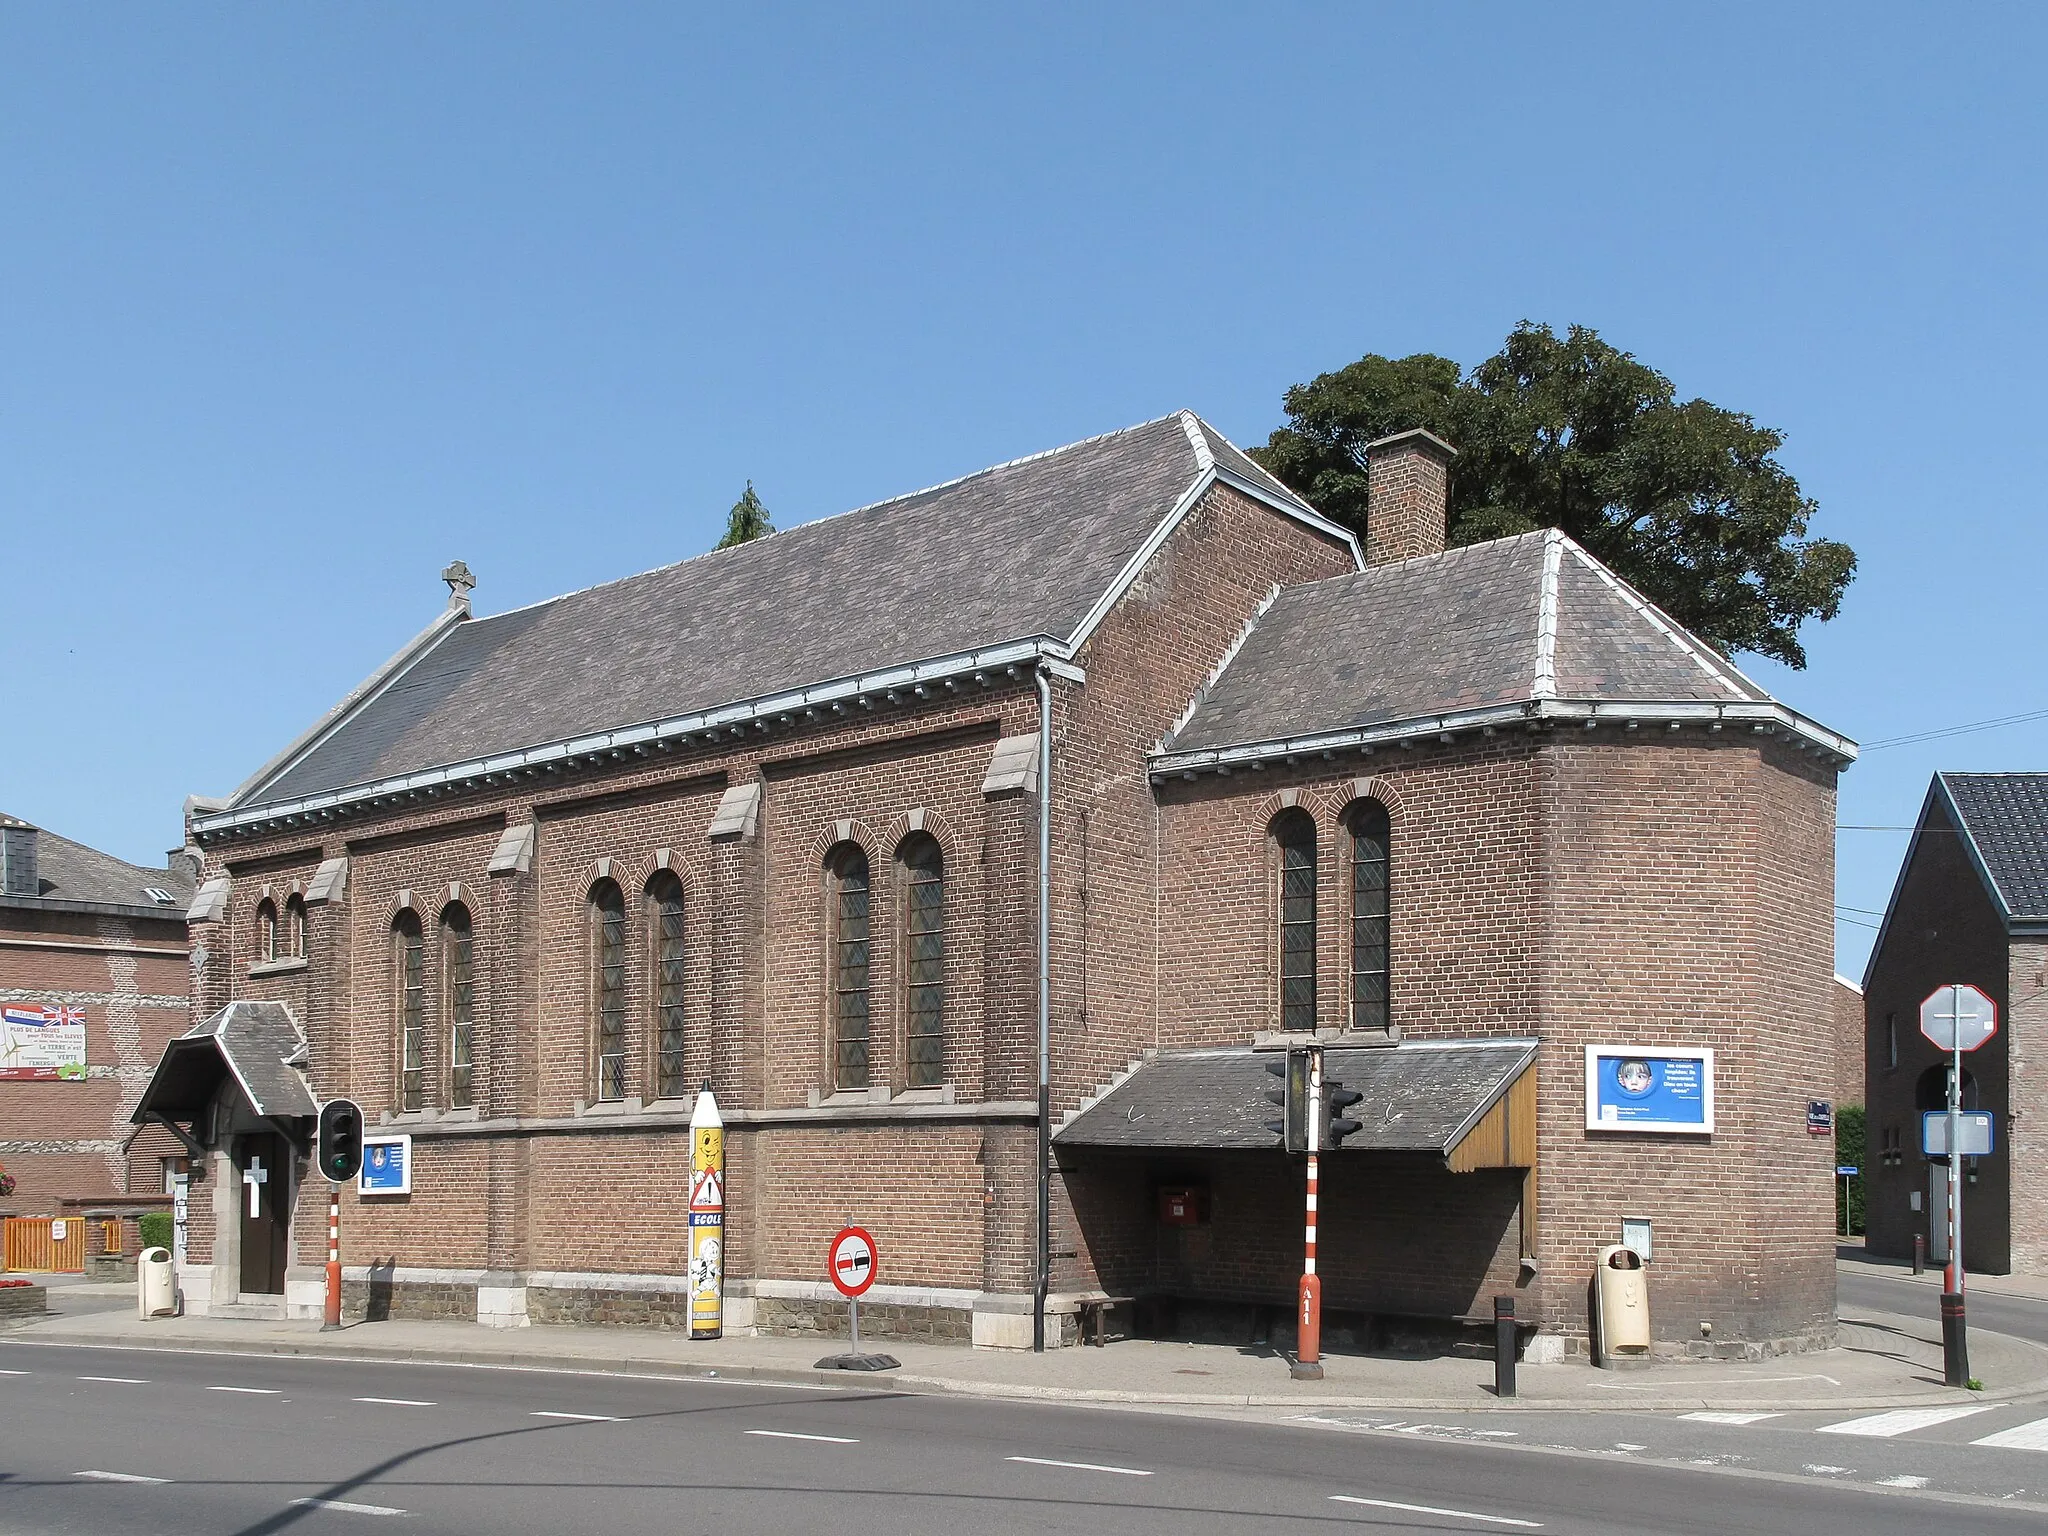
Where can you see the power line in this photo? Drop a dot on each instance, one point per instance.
(1841, 906)
(1857, 921)
(1955, 730)
(1873, 826)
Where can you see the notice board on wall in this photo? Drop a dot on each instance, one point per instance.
(1650, 1088)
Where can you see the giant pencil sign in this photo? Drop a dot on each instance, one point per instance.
(42, 1042)
(707, 1218)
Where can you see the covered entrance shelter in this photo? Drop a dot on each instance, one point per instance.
(1183, 1195)
(233, 1090)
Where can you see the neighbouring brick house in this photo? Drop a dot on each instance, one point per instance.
(94, 982)
(1970, 905)
(770, 819)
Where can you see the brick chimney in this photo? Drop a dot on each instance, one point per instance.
(18, 875)
(1407, 496)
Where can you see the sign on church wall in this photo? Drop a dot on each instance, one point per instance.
(1661, 1089)
(42, 1042)
(387, 1166)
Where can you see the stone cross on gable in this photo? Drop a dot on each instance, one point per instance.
(255, 1176)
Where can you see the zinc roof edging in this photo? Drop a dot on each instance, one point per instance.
(1544, 685)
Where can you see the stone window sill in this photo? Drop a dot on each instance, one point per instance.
(942, 1094)
(278, 967)
(849, 1096)
(630, 1105)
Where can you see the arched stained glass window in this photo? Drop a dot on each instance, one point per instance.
(409, 944)
(608, 987)
(848, 961)
(665, 900)
(1371, 888)
(458, 966)
(1295, 835)
(924, 944)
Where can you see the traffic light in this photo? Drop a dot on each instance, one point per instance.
(1336, 1099)
(341, 1140)
(1292, 1097)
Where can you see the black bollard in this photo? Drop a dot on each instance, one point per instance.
(1919, 1253)
(1955, 1341)
(1503, 1346)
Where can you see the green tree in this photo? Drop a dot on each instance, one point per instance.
(1682, 498)
(748, 521)
(1852, 1146)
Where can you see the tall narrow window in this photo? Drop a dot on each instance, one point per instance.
(458, 964)
(849, 962)
(1891, 1041)
(1370, 868)
(295, 927)
(266, 931)
(666, 898)
(411, 944)
(1295, 834)
(608, 922)
(924, 936)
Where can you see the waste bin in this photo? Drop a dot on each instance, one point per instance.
(1624, 1300)
(156, 1284)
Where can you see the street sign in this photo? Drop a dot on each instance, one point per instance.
(853, 1262)
(1847, 1171)
(1958, 1018)
(1820, 1117)
(1973, 1131)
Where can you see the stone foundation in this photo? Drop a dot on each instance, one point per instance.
(608, 1307)
(380, 1295)
(19, 1302)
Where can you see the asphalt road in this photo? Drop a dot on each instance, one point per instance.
(133, 1441)
(1876, 1290)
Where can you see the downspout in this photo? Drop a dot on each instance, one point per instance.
(1044, 679)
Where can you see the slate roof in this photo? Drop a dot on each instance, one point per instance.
(1017, 552)
(253, 1042)
(1420, 1096)
(72, 874)
(2005, 817)
(1482, 626)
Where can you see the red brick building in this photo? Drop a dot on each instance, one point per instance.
(1482, 821)
(94, 981)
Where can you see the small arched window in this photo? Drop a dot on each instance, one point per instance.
(1371, 887)
(608, 986)
(847, 959)
(1294, 835)
(458, 966)
(266, 931)
(409, 964)
(665, 904)
(924, 955)
(295, 927)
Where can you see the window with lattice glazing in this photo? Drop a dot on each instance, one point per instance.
(1371, 888)
(266, 932)
(458, 941)
(671, 1081)
(1295, 835)
(924, 942)
(411, 943)
(608, 922)
(849, 962)
(295, 927)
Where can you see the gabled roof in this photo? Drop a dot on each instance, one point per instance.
(257, 1043)
(1028, 552)
(1525, 627)
(72, 876)
(2004, 821)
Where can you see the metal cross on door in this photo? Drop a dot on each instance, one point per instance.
(255, 1176)
(266, 1175)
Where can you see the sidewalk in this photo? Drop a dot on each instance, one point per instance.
(1884, 1362)
(1850, 1254)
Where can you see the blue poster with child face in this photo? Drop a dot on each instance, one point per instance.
(1649, 1089)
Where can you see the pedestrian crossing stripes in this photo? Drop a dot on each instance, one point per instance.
(2021, 1437)
(1900, 1421)
(1710, 1416)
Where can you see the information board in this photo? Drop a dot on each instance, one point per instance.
(387, 1166)
(1650, 1088)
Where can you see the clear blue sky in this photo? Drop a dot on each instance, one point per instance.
(297, 303)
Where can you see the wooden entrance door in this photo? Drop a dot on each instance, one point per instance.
(263, 1165)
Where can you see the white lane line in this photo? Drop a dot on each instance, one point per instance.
(1079, 1466)
(252, 1391)
(790, 1434)
(587, 1418)
(347, 1508)
(120, 1477)
(395, 1402)
(1431, 1509)
(1716, 1417)
(1902, 1480)
(1900, 1421)
(120, 1381)
(13, 1373)
(2021, 1437)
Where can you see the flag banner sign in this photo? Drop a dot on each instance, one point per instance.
(387, 1166)
(1649, 1089)
(707, 1218)
(42, 1042)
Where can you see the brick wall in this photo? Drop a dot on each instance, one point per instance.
(2026, 1129)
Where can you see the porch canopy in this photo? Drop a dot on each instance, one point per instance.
(257, 1044)
(1472, 1102)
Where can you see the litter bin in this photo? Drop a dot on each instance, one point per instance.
(156, 1284)
(1624, 1300)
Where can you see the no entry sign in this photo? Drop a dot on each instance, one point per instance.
(853, 1262)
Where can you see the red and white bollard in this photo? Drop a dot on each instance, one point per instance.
(1308, 1319)
(333, 1313)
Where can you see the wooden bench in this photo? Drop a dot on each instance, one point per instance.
(1093, 1308)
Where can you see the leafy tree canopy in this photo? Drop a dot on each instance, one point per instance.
(748, 520)
(1681, 498)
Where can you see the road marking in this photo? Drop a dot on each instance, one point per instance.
(1715, 1417)
(13, 1373)
(120, 1381)
(1431, 1509)
(1824, 1469)
(395, 1402)
(1079, 1466)
(1900, 1421)
(347, 1508)
(1903, 1480)
(1629, 1445)
(252, 1391)
(120, 1477)
(2022, 1437)
(587, 1418)
(790, 1434)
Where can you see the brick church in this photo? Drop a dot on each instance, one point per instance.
(808, 820)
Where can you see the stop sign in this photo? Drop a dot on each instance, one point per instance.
(1958, 1017)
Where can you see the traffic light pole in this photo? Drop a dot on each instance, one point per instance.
(1308, 1322)
(332, 1319)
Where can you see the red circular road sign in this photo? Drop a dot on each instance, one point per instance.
(1958, 1016)
(853, 1261)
